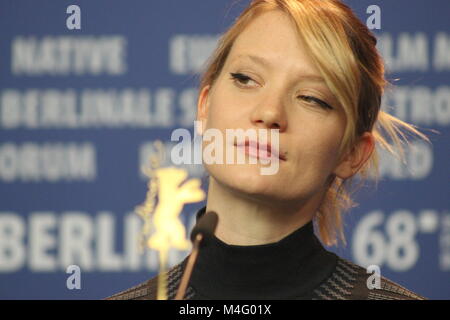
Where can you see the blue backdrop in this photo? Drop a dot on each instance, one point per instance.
(80, 108)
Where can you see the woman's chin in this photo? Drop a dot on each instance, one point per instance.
(247, 179)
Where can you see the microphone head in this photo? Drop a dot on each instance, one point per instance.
(206, 226)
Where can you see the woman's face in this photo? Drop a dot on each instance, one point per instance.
(269, 82)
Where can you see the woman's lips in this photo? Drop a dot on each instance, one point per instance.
(258, 150)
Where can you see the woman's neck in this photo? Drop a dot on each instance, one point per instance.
(244, 220)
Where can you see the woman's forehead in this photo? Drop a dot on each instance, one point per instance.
(272, 39)
(269, 27)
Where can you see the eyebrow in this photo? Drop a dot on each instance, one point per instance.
(266, 63)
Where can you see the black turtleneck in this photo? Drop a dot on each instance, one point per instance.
(290, 268)
(296, 267)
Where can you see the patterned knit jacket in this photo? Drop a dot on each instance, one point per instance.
(346, 282)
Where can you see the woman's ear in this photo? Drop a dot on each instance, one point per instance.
(203, 108)
(357, 157)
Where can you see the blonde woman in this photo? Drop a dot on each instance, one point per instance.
(310, 70)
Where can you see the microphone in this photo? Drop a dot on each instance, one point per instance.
(201, 233)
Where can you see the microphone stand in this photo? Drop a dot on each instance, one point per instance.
(205, 228)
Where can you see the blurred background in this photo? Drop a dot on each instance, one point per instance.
(86, 90)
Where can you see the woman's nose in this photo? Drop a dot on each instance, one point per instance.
(271, 114)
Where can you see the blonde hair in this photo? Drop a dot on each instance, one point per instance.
(344, 50)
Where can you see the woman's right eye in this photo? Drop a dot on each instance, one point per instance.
(241, 78)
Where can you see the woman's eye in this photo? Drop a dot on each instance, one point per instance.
(315, 100)
(241, 78)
